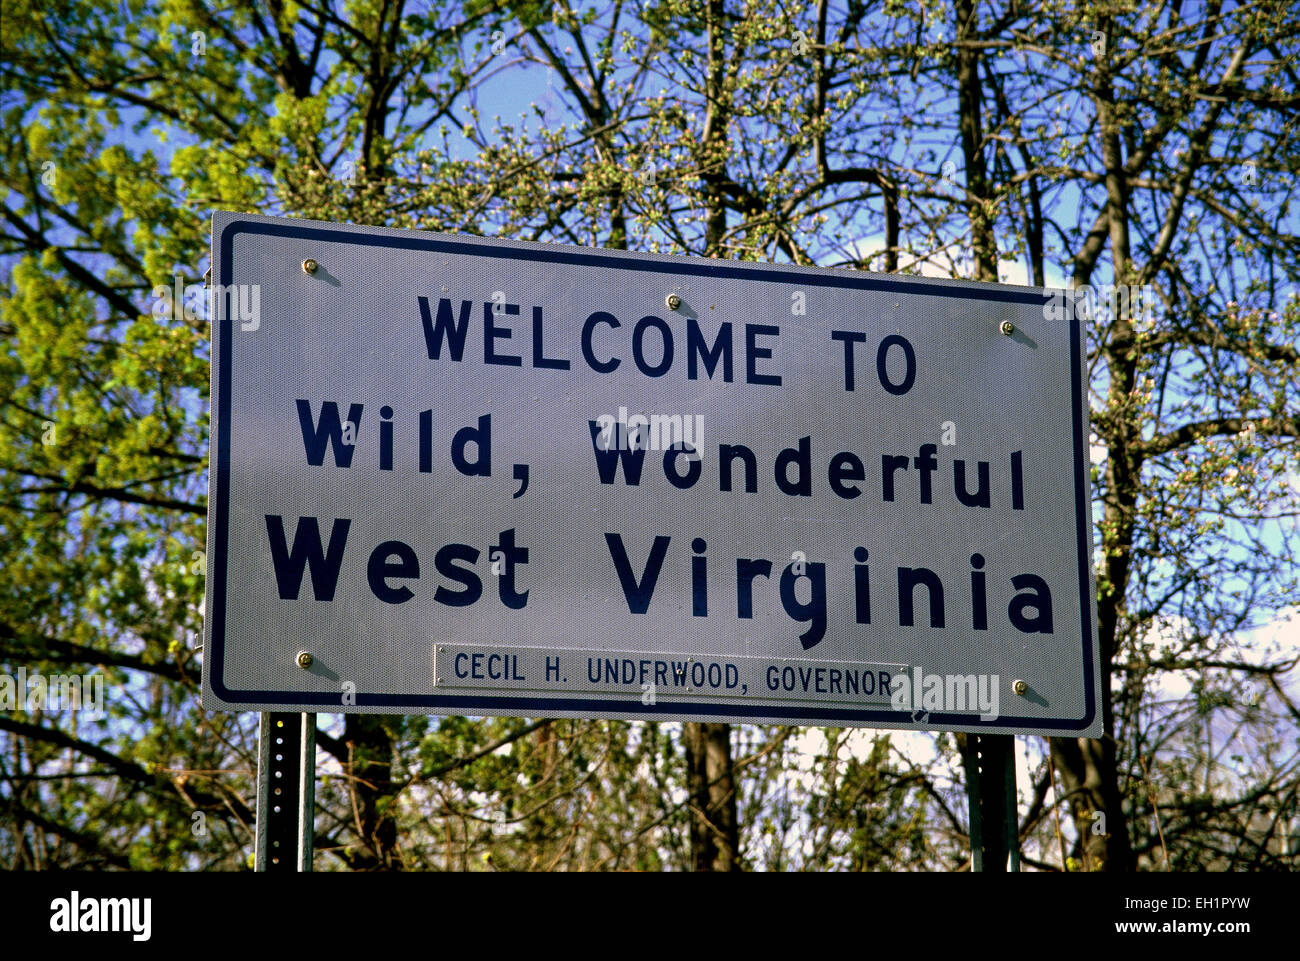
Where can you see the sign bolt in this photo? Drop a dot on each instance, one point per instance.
(674, 301)
(305, 659)
(309, 266)
(1019, 687)
(1008, 328)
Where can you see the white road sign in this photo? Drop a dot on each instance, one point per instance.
(453, 475)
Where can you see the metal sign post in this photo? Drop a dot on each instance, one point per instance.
(286, 792)
(990, 761)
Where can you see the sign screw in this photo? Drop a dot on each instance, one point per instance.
(1019, 687)
(310, 265)
(1008, 328)
(305, 659)
(674, 301)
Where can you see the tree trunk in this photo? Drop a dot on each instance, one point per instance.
(714, 832)
(1088, 767)
(1090, 783)
(715, 839)
(970, 100)
(370, 769)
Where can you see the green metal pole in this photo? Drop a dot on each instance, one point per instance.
(990, 763)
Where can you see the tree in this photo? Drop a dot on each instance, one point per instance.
(1129, 149)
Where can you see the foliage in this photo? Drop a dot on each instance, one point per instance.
(1121, 144)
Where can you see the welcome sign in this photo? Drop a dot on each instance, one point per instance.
(453, 475)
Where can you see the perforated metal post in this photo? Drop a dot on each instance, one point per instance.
(286, 792)
(990, 762)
